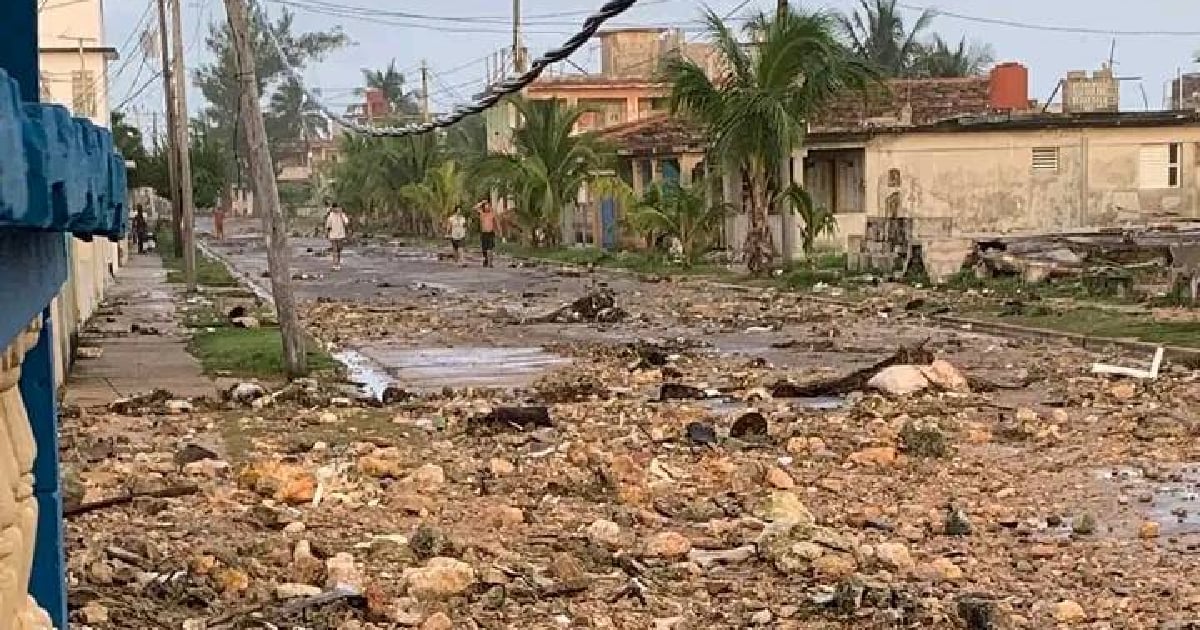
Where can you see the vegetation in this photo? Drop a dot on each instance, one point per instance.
(390, 82)
(249, 352)
(1102, 322)
(879, 34)
(209, 272)
(757, 113)
(550, 165)
(685, 213)
(290, 116)
(443, 189)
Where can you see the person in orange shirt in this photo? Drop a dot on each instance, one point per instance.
(487, 229)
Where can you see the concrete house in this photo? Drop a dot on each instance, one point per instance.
(74, 57)
(973, 156)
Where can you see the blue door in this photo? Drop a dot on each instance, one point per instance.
(608, 222)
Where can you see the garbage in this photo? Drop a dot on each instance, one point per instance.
(1138, 373)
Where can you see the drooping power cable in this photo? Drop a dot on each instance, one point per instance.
(493, 95)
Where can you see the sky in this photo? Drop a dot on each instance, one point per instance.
(1156, 39)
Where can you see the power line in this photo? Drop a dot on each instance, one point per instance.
(374, 13)
(494, 94)
(1079, 30)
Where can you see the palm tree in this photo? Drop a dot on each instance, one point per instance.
(390, 82)
(818, 220)
(682, 212)
(878, 34)
(550, 164)
(756, 113)
(443, 189)
(938, 60)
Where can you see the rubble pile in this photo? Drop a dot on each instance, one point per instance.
(655, 484)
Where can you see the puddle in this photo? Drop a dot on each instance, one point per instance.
(489, 367)
(1172, 497)
(371, 376)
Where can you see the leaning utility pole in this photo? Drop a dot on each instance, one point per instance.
(424, 91)
(183, 147)
(266, 193)
(169, 97)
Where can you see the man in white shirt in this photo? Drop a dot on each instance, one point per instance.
(456, 231)
(337, 226)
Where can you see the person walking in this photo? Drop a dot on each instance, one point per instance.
(337, 228)
(141, 230)
(456, 231)
(487, 230)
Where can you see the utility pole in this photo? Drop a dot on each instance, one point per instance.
(169, 97)
(425, 91)
(783, 7)
(266, 192)
(787, 214)
(183, 147)
(518, 51)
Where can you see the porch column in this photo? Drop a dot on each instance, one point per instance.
(635, 165)
(687, 163)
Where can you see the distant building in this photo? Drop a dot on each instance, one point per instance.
(1185, 92)
(1083, 94)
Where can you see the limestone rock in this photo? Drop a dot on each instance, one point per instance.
(943, 375)
(293, 591)
(899, 380)
(605, 533)
(1149, 529)
(501, 467)
(668, 545)
(441, 578)
(779, 478)
(895, 557)
(429, 475)
(342, 572)
(940, 570)
(438, 621)
(881, 457)
(834, 566)
(1068, 611)
(786, 507)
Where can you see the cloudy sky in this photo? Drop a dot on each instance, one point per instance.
(1152, 39)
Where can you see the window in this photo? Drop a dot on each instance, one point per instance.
(1159, 166)
(1045, 159)
(894, 178)
(83, 93)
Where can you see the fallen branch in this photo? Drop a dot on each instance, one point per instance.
(855, 381)
(166, 493)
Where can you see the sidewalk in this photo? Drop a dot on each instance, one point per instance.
(142, 345)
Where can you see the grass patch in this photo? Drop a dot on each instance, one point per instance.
(1097, 322)
(209, 272)
(249, 352)
(641, 262)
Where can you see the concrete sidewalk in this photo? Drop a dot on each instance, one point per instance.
(142, 345)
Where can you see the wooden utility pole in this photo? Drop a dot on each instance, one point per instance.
(787, 212)
(424, 91)
(517, 50)
(266, 193)
(783, 7)
(169, 97)
(183, 148)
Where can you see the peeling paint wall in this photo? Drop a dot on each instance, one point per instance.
(985, 182)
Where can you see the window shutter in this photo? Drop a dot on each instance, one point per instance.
(1152, 166)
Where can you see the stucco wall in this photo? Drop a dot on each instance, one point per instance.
(985, 181)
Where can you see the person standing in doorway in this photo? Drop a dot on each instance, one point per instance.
(337, 227)
(487, 230)
(456, 230)
(141, 230)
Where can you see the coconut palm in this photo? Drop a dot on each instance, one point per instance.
(550, 164)
(682, 212)
(756, 113)
(938, 60)
(443, 189)
(390, 82)
(878, 33)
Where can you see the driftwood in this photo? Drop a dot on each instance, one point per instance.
(510, 419)
(855, 381)
(166, 493)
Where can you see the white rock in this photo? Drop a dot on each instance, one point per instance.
(293, 591)
(899, 380)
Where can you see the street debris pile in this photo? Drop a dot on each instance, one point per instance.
(695, 471)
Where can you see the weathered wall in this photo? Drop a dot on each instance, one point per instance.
(986, 183)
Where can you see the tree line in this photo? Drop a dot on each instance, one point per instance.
(754, 115)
